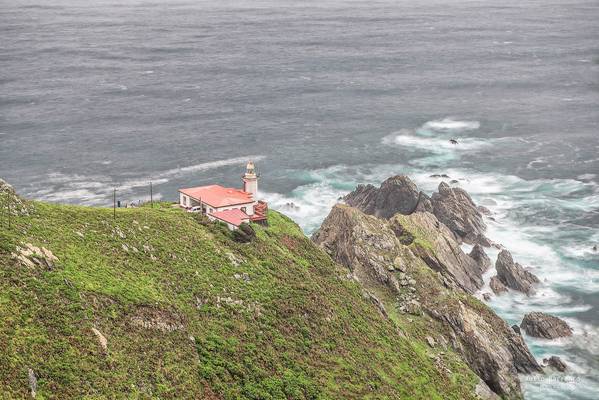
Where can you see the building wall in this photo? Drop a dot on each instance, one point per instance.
(183, 199)
(230, 226)
(249, 208)
(251, 186)
(186, 201)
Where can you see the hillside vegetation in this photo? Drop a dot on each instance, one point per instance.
(159, 304)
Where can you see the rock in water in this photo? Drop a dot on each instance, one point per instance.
(397, 194)
(455, 208)
(556, 363)
(482, 259)
(497, 286)
(513, 275)
(546, 326)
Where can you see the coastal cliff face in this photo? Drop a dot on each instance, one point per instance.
(414, 266)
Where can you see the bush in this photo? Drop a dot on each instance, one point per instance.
(244, 234)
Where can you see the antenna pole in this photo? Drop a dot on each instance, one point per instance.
(8, 207)
(114, 203)
(151, 196)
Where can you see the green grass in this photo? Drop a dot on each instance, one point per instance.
(271, 319)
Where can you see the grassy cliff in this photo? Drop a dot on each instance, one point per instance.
(155, 304)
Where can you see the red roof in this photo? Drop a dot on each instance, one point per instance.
(218, 196)
(234, 217)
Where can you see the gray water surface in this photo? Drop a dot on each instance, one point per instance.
(325, 95)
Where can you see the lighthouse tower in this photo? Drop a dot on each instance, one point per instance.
(250, 180)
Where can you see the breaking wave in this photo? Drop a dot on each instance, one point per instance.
(439, 142)
(450, 124)
(209, 165)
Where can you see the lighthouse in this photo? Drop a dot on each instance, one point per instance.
(250, 180)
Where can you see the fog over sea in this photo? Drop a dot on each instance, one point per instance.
(324, 95)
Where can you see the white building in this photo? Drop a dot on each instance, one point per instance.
(229, 205)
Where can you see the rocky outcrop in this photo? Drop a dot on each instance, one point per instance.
(435, 244)
(32, 256)
(101, 339)
(32, 382)
(424, 203)
(455, 208)
(481, 258)
(491, 348)
(483, 391)
(513, 275)
(397, 194)
(556, 363)
(10, 203)
(497, 286)
(546, 326)
(415, 265)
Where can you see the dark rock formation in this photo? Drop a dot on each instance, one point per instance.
(481, 258)
(397, 194)
(556, 363)
(417, 266)
(455, 208)
(546, 326)
(497, 286)
(513, 275)
(424, 203)
(516, 329)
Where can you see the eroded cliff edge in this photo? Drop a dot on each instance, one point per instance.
(412, 264)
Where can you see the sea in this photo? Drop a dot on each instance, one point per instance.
(322, 96)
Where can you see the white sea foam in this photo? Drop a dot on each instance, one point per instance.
(586, 177)
(436, 138)
(436, 144)
(450, 124)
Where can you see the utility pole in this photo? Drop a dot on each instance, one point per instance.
(114, 203)
(151, 197)
(8, 207)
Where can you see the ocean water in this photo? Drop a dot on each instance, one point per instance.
(324, 95)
